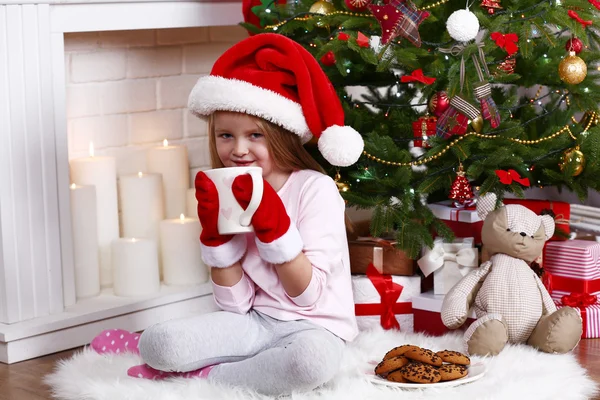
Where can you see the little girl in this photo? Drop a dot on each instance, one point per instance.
(285, 288)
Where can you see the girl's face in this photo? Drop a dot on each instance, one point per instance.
(240, 143)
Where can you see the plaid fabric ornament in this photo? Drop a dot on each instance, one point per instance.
(455, 120)
(483, 93)
(399, 18)
(423, 128)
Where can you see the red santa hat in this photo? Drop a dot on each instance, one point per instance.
(272, 77)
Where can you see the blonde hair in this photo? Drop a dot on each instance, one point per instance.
(285, 147)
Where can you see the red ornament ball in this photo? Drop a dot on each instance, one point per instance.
(574, 44)
(328, 59)
(357, 5)
(439, 103)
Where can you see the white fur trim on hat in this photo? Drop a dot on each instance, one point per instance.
(282, 249)
(226, 254)
(215, 93)
(341, 145)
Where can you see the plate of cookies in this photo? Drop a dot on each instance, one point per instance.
(410, 366)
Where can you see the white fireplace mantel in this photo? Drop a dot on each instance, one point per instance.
(37, 295)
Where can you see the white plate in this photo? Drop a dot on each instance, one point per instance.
(475, 372)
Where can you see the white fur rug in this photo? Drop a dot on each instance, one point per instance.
(519, 372)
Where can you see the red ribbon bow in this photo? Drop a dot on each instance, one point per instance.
(389, 292)
(417, 76)
(507, 177)
(595, 3)
(579, 300)
(577, 18)
(507, 41)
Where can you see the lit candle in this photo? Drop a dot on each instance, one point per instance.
(172, 163)
(180, 249)
(101, 172)
(135, 263)
(191, 204)
(142, 206)
(85, 241)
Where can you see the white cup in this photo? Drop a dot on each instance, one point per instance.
(232, 217)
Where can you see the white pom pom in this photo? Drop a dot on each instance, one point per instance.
(340, 145)
(462, 25)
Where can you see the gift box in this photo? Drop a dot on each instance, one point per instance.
(561, 210)
(427, 311)
(573, 266)
(449, 262)
(384, 300)
(588, 307)
(464, 222)
(422, 129)
(395, 261)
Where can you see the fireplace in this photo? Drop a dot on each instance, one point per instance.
(115, 73)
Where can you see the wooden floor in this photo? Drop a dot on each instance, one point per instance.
(21, 381)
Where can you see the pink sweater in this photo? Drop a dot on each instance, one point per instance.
(315, 206)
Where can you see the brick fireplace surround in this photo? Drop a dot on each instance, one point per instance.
(114, 72)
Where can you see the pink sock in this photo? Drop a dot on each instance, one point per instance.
(147, 372)
(116, 341)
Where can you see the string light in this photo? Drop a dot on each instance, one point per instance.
(459, 139)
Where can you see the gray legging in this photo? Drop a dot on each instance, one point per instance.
(253, 350)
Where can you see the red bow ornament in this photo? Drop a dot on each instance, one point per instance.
(417, 76)
(507, 41)
(579, 300)
(577, 18)
(389, 292)
(507, 177)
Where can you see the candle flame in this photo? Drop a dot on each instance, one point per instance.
(181, 217)
(73, 186)
(165, 143)
(140, 174)
(91, 149)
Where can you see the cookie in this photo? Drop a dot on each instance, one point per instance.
(450, 372)
(420, 373)
(425, 356)
(454, 357)
(391, 364)
(396, 376)
(400, 350)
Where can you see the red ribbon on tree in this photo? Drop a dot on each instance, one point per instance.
(507, 177)
(595, 3)
(576, 17)
(417, 76)
(507, 41)
(581, 301)
(389, 292)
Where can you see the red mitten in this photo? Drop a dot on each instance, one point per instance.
(217, 250)
(277, 237)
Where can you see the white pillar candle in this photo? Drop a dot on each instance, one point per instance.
(191, 204)
(135, 267)
(142, 206)
(85, 241)
(101, 172)
(172, 163)
(180, 249)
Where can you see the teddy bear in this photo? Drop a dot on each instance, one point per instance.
(510, 301)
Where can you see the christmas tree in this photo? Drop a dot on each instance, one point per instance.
(499, 95)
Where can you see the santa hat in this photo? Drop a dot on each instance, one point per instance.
(271, 76)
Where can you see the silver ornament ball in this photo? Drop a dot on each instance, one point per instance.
(462, 25)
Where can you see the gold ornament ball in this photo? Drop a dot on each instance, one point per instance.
(572, 69)
(573, 159)
(322, 7)
(477, 124)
